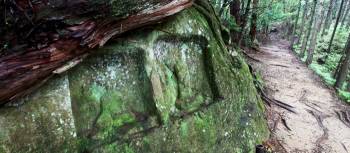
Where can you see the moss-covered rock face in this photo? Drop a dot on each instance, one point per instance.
(171, 89)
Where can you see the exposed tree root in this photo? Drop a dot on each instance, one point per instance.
(325, 135)
(344, 117)
(346, 149)
(269, 101)
(275, 119)
(284, 121)
(22, 70)
(250, 57)
(280, 65)
(278, 103)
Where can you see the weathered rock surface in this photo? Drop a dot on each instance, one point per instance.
(169, 88)
(43, 123)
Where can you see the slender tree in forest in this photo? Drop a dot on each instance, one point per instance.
(235, 12)
(242, 6)
(235, 9)
(244, 20)
(288, 25)
(335, 27)
(303, 20)
(344, 66)
(328, 19)
(343, 10)
(295, 25)
(336, 9)
(346, 13)
(309, 29)
(253, 21)
(348, 23)
(224, 5)
(317, 27)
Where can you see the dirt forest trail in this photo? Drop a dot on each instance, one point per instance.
(321, 121)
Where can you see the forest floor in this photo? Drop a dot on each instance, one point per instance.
(320, 123)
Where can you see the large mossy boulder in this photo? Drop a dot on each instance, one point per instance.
(169, 88)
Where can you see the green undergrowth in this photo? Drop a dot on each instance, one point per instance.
(344, 95)
(328, 78)
(325, 71)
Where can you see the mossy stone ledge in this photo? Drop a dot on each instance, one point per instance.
(170, 88)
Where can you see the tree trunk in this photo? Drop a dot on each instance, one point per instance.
(317, 27)
(335, 27)
(309, 29)
(223, 7)
(242, 6)
(295, 25)
(346, 14)
(303, 20)
(254, 19)
(244, 22)
(235, 12)
(344, 10)
(344, 69)
(328, 19)
(336, 9)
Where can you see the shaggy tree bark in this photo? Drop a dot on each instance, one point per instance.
(22, 71)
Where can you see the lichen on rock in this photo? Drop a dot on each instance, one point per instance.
(41, 122)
